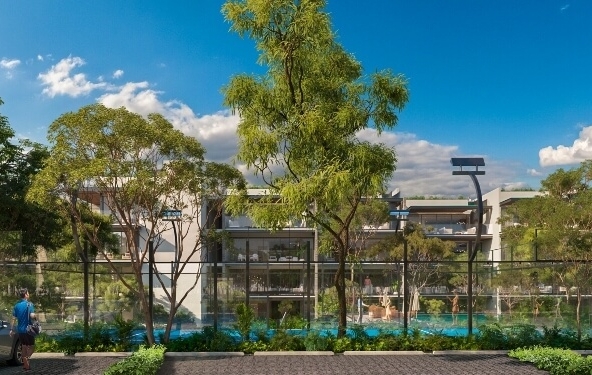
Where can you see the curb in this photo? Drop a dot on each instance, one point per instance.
(293, 353)
(462, 352)
(384, 352)
(203, 354)
(49, 355)
(103, 354)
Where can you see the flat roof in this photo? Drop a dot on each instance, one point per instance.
(413, 209)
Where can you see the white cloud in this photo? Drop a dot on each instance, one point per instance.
(533, 172)
(581, 150)
(564, 8)
(39, 58)
(9, 64)
(216, 132)
(59, 81)
(423, 167)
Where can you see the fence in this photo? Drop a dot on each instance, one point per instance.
(544, 294)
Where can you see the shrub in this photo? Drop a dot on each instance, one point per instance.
(144, 361)
(340, 345)
(314, 341)
(250, 347)
(556, 361)
(207, 340)
(245, 317)
(283, 341)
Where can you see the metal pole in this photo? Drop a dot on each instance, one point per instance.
(86, 290)
(151, 280)
(308, 273)
(175, 263)
(473, 254)
(405, 288)
(216, 288)
(247, 281)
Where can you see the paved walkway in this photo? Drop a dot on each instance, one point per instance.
(427, 364)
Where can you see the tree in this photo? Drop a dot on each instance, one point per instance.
(138, 168)
(300, 121)
(24, 225)
(562, 219)
(370, 215)
(425, 255)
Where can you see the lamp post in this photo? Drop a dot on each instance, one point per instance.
(173, 215)
(402, 215)
(471, 162)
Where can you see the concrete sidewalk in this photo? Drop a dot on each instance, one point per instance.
(354, 363)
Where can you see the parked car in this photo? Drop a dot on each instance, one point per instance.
(10, 347)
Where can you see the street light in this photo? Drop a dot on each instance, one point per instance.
(173, 215)
(471, 162)
(402, 215)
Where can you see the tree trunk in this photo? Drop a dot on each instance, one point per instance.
(340, 287)
(147, 313)
(578, 322)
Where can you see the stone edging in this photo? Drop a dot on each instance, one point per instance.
(457, 352)
(384, 352)
(293, 353)
(203, 354)
(103, 354)
(286, 353)
(48, 355)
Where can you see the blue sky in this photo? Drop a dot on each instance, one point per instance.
(507, 80)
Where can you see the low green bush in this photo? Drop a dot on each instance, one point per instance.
(283, 341)
(556, 361)
(250, 347)
(146, 361)
(314, 341)
(207, 340)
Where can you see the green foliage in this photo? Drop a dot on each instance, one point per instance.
(283, 341)
(556, 361)
(28, 225)
(101, 338)
(142, 166)
(494, 336)
(244, 319)
(341, 344)
(45, 343)
(207, 340)
(294, 322)
(146, 361)
(250, 347)
(124, 330)
(303, 118)
(314, 341)
(434, 306)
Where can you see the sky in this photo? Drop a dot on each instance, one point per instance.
(505, 80)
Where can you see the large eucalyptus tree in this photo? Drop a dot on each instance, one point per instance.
(138, 168)
(300, 121)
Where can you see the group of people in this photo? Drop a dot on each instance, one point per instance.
(22, 315)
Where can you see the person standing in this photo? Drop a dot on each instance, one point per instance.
(367, 285)
(22, 312)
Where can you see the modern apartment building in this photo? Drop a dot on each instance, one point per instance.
(268, 268)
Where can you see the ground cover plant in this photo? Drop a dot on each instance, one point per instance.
(146, 361)
(555, 360)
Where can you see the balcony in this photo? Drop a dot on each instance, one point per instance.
(245, 222)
